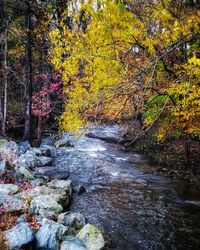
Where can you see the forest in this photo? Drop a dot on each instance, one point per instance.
(69, 65)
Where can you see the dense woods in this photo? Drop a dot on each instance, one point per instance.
(67, 63)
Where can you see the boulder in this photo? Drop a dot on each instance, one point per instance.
(47, 142)
(25, 173)
(3, 142)
(51, 173)
(29, 160)
(37, 182)
(49, 235)
(58, 195)
(72, 243)
(8, 188)
(45, 161)
(23, 147)
(91, 237)
(63, 142)
(62, 184)
(19, 236)
(2, 168)
(11, 204)
(41, 151)
(45, 206)
(8, 152)
(73, 220)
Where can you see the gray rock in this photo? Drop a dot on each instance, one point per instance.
(11, 204)
(49, 235)
(91, 237)
(19, 236)
(2, 168)
(23, 147)
(41, 151)
(37, 182)
(63, 184)
(21, 219)
(57, 194)
(29, 160)
(51, 173)
(48, 141)
(45, 161)
(73, 220)
(63, 142)
(72, 243)
(3, 142)
(8, 188)
(25, 173)
(45, 206)
(9, 151)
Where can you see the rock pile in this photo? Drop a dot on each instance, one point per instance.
(46, 199)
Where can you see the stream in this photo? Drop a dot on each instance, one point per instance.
(133, 208)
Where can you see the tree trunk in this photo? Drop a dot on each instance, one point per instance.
(5, 78)
(28, 74)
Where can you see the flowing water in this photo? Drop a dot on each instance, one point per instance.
(133, 208)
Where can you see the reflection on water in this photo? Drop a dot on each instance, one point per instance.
(134, 209)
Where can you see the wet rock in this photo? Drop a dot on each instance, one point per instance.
(8, 188)
(58, 195)
(11, 204)
(63, 184)
(19, 236)
(45, 206)
(25, 173)
(49, 235)
(72, 243)
(23, 147)
(73, 220)
(91, 237)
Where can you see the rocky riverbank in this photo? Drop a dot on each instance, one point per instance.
(34, 206)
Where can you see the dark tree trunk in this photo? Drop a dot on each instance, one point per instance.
(28, 74)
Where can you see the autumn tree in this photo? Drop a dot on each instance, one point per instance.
(131, 58)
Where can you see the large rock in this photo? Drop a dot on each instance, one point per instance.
(73, 220)
(91, 237)
(19, 236)
(9, 152)
(51, 173)
(41, 151)
(8, 188)
(3, 142)
(45, 206)
(2, 168)
(49, 235)
(11, 204)
(57, 194)
(47, 142)
(45, 161)
(63, 184)
(29, 160)
(63, 142)
(23, 147)
(72, 243)
(26, 173)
